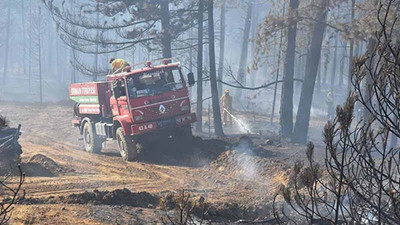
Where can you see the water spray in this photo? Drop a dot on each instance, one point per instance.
(238, 121)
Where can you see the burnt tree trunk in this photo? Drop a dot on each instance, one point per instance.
(254, 20)
(286, 109)
(222, 47)
(349, 85)
(334, 64)
(303, 113)
(319, 76)
(7, 42)
(30, 49)
(96, 59)
(326, 63)
(73, 51)
(23, 37)
(213, 72)
(165, 26)
(40, 57)
(245, 49)
(199, 108)
(342, 64)
(48, 47)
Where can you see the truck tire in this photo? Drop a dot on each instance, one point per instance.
(127, 146)
(92, 142)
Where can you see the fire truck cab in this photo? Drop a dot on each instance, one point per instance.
(135, 108)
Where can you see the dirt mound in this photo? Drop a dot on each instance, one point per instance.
(235, 164)
(42, 166)
(248, 162)
(199, 153)
(236, 212)
(116, 197)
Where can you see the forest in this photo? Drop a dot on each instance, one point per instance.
(313, 83)
(266, 53)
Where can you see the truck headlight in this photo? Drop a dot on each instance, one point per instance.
(185, 108)
(139, 117)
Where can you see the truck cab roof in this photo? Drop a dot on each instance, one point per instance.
(148, 67)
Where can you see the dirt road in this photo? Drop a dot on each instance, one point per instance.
(242, 178)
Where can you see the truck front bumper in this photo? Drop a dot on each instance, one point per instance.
(169, 123)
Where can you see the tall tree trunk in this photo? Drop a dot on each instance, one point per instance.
(342, 64)
(298, 65)
(96, 56)
(199, 108)
(191, 49)
(222, 47)
(30, 49)
(319, 76)
(206, 63)
(303, 113)
(165, 26)
(7, 44)
(349, 84)
(40, 57)
(49, 48)
(23, 37)
(73, 72)
(59, 69)
(73, 51)
(326, 63)
(254, 25)
(191, 56)
(334, 64)
(245, 48)
(286, 110)
(213, 72)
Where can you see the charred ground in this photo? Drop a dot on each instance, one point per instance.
(236, 175)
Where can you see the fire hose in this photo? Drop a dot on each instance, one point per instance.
(241, 124)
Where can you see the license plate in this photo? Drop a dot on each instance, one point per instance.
(165, 123)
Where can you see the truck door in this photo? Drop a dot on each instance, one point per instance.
(118, 100)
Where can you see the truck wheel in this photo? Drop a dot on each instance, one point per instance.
(127, 146)
(93, 143)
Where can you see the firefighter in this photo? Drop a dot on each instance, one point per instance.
(117, 64)
(330, 103)
(226, 101)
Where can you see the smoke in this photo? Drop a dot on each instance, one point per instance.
(245, 160)
(318, 112)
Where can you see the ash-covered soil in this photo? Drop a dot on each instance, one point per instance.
(237, 176)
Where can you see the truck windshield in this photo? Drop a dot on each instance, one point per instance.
(154, 82)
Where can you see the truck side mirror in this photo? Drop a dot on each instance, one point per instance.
(191, 79)
(116, 87)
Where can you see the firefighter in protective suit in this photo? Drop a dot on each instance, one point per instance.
(117, 64)
(226, 101)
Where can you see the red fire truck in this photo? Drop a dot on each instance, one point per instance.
(134, 107)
